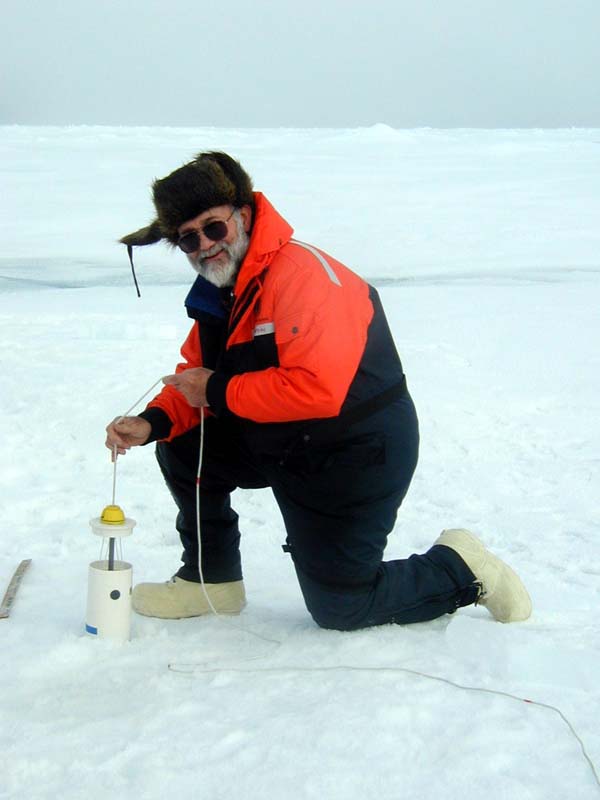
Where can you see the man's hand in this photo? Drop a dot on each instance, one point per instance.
(126, 432)
(192, 384)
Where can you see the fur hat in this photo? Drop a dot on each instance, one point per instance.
(211, 179)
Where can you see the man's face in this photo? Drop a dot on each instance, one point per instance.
(219, 261)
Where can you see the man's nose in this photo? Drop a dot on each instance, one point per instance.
(205, 242)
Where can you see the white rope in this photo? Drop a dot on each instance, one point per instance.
(114, 488)
(223, 619)
(115, 454)
(198, 524)
(191, 669)
(139, 400)
(198, 527)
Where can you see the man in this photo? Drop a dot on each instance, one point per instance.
(292, 363)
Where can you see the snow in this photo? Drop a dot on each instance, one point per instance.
(484, 245)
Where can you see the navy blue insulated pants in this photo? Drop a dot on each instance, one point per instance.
(339, 503)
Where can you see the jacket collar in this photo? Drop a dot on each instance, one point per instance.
(269, 233)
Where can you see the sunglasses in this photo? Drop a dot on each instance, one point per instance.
(215, 231)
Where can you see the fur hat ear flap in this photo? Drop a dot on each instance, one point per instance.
(148, 235)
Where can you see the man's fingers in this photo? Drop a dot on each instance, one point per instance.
(118, 431)
(112, 439)
(127, 432)
(170, 380)
(123, 426)
(116, 448)
(124, 423)
(118, 452)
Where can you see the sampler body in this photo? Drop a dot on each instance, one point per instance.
(108, 612)
(109, 600)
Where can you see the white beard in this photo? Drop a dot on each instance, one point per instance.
(223, 274)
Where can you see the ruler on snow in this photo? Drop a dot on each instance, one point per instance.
(13, 587)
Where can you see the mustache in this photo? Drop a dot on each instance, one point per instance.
(216, 248)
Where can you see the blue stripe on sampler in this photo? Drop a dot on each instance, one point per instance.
(91, 629)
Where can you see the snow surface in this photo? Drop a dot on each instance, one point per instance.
(484, 245)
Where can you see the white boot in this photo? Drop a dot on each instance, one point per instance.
(502, 591)
(178, 598)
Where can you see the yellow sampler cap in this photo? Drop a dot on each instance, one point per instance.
(112, 515)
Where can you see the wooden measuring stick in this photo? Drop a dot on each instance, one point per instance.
(13, 586)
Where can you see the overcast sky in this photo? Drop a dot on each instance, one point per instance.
(307, 63)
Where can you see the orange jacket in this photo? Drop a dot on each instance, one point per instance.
(296, 337)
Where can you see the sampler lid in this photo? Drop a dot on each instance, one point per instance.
(112, 515)
(112, 523)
